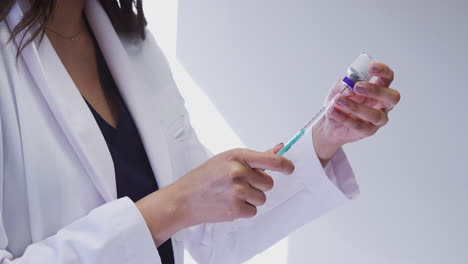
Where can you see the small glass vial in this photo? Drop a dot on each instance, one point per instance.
(358, 71)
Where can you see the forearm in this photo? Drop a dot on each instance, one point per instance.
(325, 147)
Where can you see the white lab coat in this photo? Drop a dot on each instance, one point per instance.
(57, 185)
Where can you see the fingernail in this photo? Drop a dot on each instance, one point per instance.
(376, 69)
(341, 101)
(280, 144)
(360, 88)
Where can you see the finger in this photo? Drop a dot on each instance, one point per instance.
(267, 161)
(275, 149)
(254, 196)
(362, 127)
(383, 72)
(388, 96)
(246, 210)
(376, 117)
(260, 180)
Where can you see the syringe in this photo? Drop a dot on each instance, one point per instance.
(309, 124)
(358, 71)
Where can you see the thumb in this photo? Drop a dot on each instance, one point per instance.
(275, 149)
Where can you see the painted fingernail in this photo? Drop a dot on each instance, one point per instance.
(360, 88)
(341, 101)
(376, 69)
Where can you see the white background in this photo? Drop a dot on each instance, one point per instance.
(255, 71)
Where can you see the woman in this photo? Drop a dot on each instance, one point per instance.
(99, 163)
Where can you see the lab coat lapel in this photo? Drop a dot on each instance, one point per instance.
(69, 109)
(143, 97)
(72, 113)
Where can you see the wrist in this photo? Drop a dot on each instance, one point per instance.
(324, 145)
(164, 213)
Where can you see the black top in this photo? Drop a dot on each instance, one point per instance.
(133, 173)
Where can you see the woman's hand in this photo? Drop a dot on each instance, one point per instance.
(355, 115)
(229, 185)
(226, 187)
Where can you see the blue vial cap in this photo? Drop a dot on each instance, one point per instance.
(350, 83)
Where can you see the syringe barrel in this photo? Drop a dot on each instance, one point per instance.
(358, 71)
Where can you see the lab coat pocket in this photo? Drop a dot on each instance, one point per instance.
(178, 139)
(178, 129)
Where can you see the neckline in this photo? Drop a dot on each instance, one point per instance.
(105, 75)
(101, 120)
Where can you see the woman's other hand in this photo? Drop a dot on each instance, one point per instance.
(355, 115)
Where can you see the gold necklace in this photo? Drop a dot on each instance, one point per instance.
(72, 38)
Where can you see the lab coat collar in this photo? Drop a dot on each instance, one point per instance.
(72, 114)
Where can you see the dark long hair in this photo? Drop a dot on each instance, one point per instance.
(126, 16)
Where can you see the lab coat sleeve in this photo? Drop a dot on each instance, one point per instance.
(112, 233)
(295, 200)
(115, 232)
